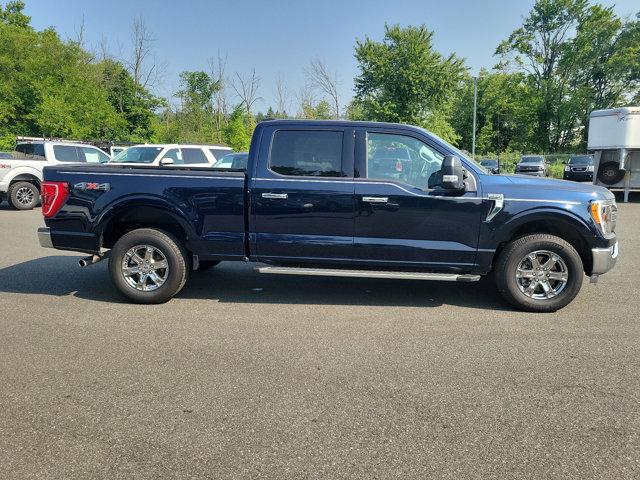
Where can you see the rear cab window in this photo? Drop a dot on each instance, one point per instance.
(308, 153)
(66, 153)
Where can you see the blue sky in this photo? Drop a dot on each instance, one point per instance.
(280, 37)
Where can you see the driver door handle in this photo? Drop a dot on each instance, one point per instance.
(277, 196)
(375, 199)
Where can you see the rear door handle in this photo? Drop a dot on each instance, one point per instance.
(277, 196)
(375, 199)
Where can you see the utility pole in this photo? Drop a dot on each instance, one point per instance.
(475, 103)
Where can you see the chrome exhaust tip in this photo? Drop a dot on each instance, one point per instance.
(90, 260)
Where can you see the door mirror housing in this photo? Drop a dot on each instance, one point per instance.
(166, 161)
(452, 173)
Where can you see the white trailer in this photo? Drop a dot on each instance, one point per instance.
(614, 140)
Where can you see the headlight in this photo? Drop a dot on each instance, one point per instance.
(567, 168)
(590, 168)
(604, 214)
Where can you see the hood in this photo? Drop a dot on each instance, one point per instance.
(553, 188)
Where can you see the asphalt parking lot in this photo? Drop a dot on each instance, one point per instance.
(249, 376)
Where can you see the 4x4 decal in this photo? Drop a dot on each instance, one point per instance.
(92, 186)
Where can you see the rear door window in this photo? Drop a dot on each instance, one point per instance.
(66, 153)
(309, 153)
(193, 156)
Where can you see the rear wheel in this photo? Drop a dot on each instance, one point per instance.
(539, 273)
(24, 195)
(148, 265)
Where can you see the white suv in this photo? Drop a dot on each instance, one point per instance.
(171, 154)
(21, 174)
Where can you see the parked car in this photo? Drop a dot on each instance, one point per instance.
(532, 165)
(171, 154)
(21, 175)
(491, 164)
(234, 161)
(308, 204)
(579, 168)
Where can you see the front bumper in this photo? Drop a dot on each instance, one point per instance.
(534, 173)
(44, 237)
(604, 259)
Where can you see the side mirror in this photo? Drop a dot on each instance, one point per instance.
(166, 161)
(452, 173)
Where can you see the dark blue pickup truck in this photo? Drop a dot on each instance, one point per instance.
(336, 198)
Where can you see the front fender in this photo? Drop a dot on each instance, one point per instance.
(553, 215)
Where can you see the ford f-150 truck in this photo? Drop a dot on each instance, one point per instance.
(336, 198)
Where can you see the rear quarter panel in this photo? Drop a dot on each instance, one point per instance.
(207, 204)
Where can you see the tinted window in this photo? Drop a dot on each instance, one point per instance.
(137, 155)
(176, 155)
(489, 163)
(532, 159)
(233, 160)
(92, 155)
(219, 152)
(193, 155)
(66, 153)
(404, 159)
(307, 153)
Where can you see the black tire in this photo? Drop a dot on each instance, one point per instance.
(514, 254)
(609, 173)
(207, 264)
(168, 246)
(23, 196)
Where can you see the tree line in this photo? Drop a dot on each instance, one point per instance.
(568, 57)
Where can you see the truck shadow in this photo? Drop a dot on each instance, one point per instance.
(238, 283)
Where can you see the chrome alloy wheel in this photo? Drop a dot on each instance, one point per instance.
(542, 275)
(145, 268)
(25, 196)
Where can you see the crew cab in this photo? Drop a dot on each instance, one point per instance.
(21, 173)
(336, 198)
(171, 154)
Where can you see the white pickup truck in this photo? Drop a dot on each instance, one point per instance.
(172, 155)
(21, 174)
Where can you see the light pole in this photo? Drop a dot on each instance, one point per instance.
(475, 103)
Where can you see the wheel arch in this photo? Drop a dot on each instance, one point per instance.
(131, 215)
(559, 223)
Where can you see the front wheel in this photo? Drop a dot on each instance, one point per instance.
(539, 273)
(148, 265)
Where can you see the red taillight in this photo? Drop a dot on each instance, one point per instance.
(53, 194)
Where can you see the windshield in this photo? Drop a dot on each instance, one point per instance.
(583, 160)
(233, 160)
(531, 159)
(137, 155)
(489, 163)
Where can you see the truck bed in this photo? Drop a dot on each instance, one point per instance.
(205, 206)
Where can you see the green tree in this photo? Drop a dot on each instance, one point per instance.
(576, 57)
(12, 14)
(237, 132)
(403, 79)
(505, 113)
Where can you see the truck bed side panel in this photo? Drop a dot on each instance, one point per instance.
(207, 204)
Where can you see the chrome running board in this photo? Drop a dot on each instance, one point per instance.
(336, 272)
